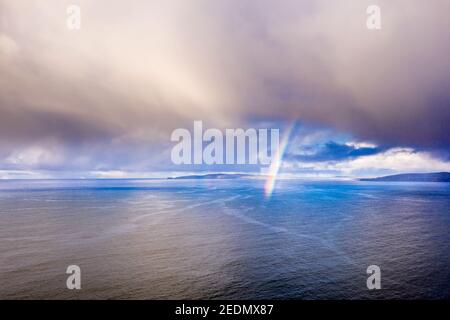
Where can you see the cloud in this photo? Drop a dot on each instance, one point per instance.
(134, 72)
(33, 156)
(7, 46)
(332, 151)
(395, 160)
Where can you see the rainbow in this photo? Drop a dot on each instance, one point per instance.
(276, 162)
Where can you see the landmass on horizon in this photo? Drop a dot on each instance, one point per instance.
(406, 177)
(215, 176)
(414, 177)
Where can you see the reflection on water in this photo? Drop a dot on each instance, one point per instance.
(161, 239)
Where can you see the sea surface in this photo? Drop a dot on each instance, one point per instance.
(223, 239)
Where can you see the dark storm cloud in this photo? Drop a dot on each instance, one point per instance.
(333, 151)
(40, 124)
(136, 71)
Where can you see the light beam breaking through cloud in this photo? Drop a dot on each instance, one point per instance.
(277, 162)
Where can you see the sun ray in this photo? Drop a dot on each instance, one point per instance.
(276, 162)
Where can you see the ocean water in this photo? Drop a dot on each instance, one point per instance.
(223, 239)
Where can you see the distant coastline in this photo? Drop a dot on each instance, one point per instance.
(215, 176)
(414, 177)
(406, 177)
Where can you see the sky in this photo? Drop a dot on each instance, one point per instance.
(102, 101)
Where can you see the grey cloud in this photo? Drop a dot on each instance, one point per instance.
(333, 151)
(137, 70)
